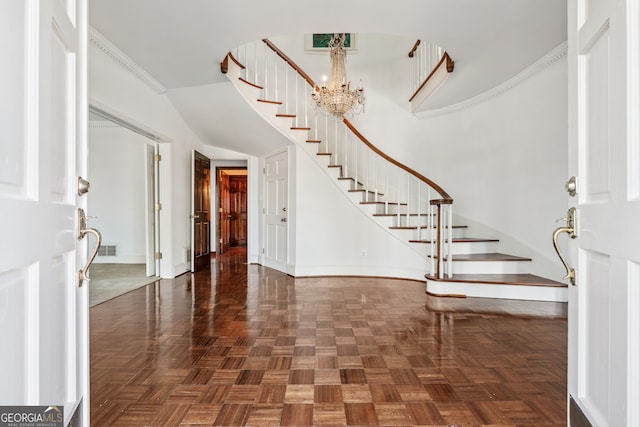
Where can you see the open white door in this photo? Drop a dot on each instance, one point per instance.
(604, 153)
(43, 111)
(275, 211)
(150, 209)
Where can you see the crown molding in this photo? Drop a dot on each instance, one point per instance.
(112, 51)
(102, 124)
(540, 65)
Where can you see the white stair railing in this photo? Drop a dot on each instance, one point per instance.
(431, 66)
(397, 191)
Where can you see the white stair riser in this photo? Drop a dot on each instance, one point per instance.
(462, 248)
(491, 267)
(425, 233)
(482, 290)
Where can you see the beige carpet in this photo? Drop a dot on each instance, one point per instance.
(112, 280)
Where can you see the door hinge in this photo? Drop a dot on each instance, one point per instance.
(220, 241)
(158, 206)
(264, 210)
(157, 157)
(158, 255)
(264, 170)
(263, 251)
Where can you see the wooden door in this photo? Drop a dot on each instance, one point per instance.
(275, 212)
(224, 219)
(201, 208)
(43, 306)
(604, 156)
(238, 220)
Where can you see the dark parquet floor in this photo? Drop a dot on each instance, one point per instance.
(241, 344)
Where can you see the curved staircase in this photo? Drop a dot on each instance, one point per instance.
(410, 206)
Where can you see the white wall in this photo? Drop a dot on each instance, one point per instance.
(113, 88)
(117, 197)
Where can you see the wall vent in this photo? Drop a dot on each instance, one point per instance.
(107, 250)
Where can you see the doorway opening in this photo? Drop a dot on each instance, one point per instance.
(231, 183)
(123, 172)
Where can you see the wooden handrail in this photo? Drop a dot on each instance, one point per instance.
(414, 48)
(292, 64)
(440, 190)
(450, 65)
(224, 65)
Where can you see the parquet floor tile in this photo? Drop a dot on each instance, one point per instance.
(240, 344)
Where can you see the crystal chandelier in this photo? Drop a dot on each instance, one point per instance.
(338, 99)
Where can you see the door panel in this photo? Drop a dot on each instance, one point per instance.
(201, 211)
(604, 100)
(150, 209)
(43, 310)
(238, 226)
(275, 209)
(225, 212)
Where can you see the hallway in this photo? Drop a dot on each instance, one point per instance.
(241, 344)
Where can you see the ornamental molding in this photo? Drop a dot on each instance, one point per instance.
(112, 51)
(540, 65)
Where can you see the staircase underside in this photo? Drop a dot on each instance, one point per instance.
(507, 286)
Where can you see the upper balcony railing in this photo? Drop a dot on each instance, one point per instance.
(415, 201)
(431, 66)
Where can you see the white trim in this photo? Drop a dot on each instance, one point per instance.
(633, 338)
(633, 100)
(543, 63)
(99, 109)
(113, 52)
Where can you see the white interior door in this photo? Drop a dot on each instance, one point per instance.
(275, 211)
(43, 311)
(150, 209)
(604, 153)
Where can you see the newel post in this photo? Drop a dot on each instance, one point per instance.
(439, 252)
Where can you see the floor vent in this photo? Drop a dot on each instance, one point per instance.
(107, 250)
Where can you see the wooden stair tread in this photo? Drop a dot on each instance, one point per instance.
(362, 190)
(459, 240)
(300, 128)
(395, 214)
(286, 115)
(501, 279)
(414, 227)
(488, 257)
(382, 203)
(316, 141)
(250, 83)
(324, 154)
(270, 102)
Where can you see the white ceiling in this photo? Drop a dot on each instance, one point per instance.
(181, 43)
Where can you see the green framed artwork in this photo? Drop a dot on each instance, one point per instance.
(319, 42)
(322, 40)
